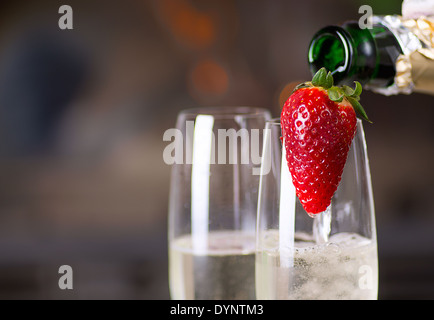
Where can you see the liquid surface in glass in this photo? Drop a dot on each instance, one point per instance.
(225, 270)
(344, 268)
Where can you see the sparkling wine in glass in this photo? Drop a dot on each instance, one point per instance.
(330, 256)
(213, 203)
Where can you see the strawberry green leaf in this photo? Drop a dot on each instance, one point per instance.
(358, 108)
(319, 78)
(357, 90)
(335, 94)
(348, 92)
(328, 83)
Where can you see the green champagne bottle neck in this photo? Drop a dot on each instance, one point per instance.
(354, 54)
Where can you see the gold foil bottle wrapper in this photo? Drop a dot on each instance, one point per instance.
(422, 73)
(415, 66)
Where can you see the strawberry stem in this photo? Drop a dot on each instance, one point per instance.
(324, 79)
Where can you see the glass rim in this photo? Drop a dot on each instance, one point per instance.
(226, 112)
(276, 121)
(273, 121)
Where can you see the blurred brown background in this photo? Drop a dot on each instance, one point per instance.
(83, 112)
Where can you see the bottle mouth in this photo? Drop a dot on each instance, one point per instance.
(331, 48)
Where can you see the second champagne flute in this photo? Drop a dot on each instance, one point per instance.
(331, 256)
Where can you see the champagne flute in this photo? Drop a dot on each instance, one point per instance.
(331, 256)
(213, 203)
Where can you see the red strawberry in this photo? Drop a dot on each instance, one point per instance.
(318, 125)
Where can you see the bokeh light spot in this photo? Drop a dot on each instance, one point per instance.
(208, 78)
